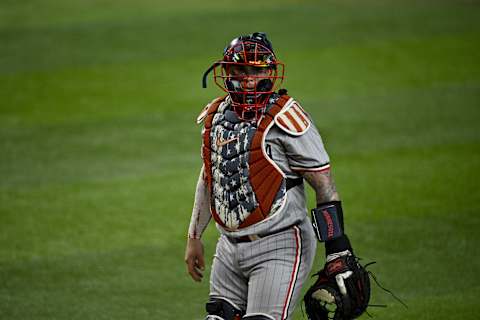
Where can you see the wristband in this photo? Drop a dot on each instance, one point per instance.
(327, 221)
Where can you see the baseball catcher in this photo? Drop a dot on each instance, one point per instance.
(259, 145)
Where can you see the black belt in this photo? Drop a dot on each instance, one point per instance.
(291, 183)
(254, 237)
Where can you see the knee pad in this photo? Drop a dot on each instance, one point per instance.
(213, 317)
(258, 316)
(220, 309)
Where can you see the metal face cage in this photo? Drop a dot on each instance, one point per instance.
(250, 73)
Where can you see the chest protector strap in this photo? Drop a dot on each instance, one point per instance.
(265, 177)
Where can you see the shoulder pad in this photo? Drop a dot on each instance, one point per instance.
(293, 119)
(204, 112)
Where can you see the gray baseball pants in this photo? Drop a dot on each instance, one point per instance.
(264, 276)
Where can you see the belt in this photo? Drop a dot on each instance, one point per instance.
(293, 182)
(254, 237)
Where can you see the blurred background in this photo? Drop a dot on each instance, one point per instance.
(99, 150)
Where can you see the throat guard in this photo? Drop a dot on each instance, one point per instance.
(245, 185)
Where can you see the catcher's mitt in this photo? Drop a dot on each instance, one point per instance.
(341, 292)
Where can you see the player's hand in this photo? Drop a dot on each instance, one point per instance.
(194, 259)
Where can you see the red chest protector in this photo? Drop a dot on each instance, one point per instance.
(265, 177)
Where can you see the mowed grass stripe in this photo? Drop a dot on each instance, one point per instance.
(103, 91)
(147, 35)
(141, 145)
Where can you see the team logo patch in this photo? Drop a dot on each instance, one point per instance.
(293, 119)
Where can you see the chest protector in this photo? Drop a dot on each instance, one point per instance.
(245, 185)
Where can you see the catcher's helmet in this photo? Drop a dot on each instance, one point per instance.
(249, 72)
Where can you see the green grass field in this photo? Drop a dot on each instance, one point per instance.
(99, 150)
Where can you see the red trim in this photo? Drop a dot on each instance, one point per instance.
(259, 165)
(293, 277)
(321, 169)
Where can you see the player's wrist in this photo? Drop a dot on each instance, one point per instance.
(336, 255)
(337, 245)
(337, 204)
(193, 237)
(327, 220)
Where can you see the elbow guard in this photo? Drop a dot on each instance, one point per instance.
(327, 220)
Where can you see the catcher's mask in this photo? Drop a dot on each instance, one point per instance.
(249, 72)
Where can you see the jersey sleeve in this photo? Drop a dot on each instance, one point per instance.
(306, 152)
(201, 210)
